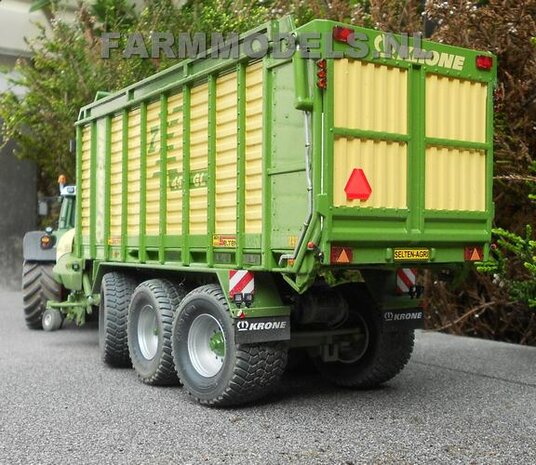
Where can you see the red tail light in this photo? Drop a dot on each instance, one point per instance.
(484, 62)
(342, 34)
(321, 74)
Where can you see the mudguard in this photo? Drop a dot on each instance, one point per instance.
(32, 251)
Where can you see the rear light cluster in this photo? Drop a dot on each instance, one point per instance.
(342, 34)
(346, 35)
(484, 62)
(322, 74)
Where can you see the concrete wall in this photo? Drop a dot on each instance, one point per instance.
(18, 208)
(18, 195)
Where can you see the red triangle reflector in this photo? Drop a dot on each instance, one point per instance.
(475, 256)
(357, 187)
(343, 257)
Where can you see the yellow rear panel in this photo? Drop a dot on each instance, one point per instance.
(455, 179)
(373, 97)
(384, 164)
(455, 109)
(370, 96)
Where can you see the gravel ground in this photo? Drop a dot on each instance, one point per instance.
(460, 400)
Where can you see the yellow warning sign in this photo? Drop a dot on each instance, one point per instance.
(292, 241)
(224, 240)
(414, 254)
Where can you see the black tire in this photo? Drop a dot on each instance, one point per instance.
(246, 372)
(383, 357)
(116, 292)
(38, 287)
(151, 355)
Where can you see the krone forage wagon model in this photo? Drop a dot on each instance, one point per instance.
(230, 210)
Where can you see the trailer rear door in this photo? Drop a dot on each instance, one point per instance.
(410, 148)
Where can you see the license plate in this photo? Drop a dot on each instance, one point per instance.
(412, 255)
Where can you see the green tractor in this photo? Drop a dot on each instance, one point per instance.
(39, 252)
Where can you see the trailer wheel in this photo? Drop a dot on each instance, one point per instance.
(116, 292)
(150, 319)
(38, 286)
(213, 369)
(371, 360)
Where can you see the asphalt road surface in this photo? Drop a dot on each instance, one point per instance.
(459, 400)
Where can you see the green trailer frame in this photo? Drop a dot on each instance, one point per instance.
(238, 210)
(371, 233)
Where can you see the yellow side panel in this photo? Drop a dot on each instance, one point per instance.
(370, 97)
(152, 223)
(226, 150)
(455, 109)
(85, 181)
(100, 180)
(455, 179)
(116, 187)
(174, 165)
(253, 207)
(384, 165)
(199, 157)
(133, 209)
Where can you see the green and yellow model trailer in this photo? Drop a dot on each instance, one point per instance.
(233, 209)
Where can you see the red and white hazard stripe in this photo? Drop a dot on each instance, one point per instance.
(406, 278)
(241, 282)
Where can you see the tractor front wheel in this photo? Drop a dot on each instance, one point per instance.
(38, 287)
(52, 319)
